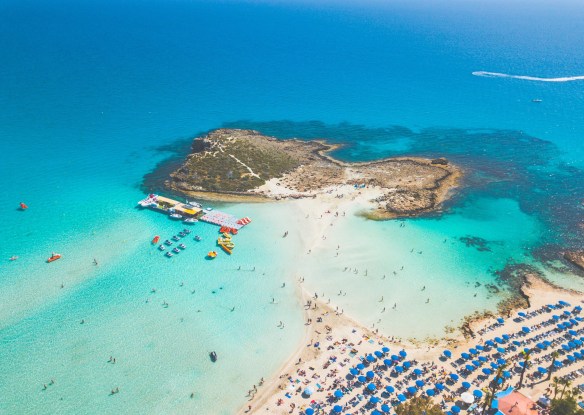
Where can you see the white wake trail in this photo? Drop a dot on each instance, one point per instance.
(528, 78)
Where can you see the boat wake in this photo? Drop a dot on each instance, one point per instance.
(527, 78)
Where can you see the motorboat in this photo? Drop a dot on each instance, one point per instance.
(23, 206)
(190, 220)
(161, 247)
(182, 246)
(182, 234)
(169, 254)
(209, 209)
(13, 258)
(198, 238)
(175, 216)
(167, 242)
(175, 238)
(54, 257)
(537, 100)
(213, 357)
(186, 231)
(155, 240)
(176, 250)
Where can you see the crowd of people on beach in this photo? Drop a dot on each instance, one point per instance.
(362, 375)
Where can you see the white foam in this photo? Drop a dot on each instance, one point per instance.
(528, 78)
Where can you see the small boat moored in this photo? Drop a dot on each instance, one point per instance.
(13, 258)
(212, 254)
(176, 250)
(54, 257)
(175, 238)
(190, 221)
(182, 246)
(161, 247)
(175, 216)
(169, 254)
(23, 206)
(186, 231)
(167, 242)
(213, 357)
(155, 240)
(198, 238)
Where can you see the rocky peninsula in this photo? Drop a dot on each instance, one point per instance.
(231, 164)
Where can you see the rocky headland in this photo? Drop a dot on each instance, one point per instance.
(231, 164)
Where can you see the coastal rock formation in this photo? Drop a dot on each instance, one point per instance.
(576, 258)
(244, 163)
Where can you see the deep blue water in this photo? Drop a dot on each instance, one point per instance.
(91, 91)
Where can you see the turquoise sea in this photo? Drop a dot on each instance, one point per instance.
(94, 95)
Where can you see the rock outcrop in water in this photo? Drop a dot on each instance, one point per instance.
(576, 258)
(244, 163)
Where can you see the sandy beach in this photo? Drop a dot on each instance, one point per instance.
(334, 342)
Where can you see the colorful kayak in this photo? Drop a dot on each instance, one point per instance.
(54, 257)
(225, 249)
(23, 206)
(212, 254)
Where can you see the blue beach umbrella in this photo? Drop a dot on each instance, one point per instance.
(490, 343)
(578, 355)
(419, 383)
(338, 394)
(362, 379)
(439, 386)
(470, 368)
(474, 351)
(477, 393)
(479, 347)
(412, 390)
(378, 353)
(500, 349)
(371, 386)
(506, 374)
(540, 346)
(308, 391)
(505, 337)
(567, 313)
(522, 363)
(572, 344)
(499, 340)
(556, 317)
(566, 347)
(455, 409)
(338, 409)
(571, 358)
(417, 372)
(309, 411)
(525, 329)
(385, 408)
(403, 353)
(401, 397)
(516, 342)
(564, 303)
(375, 412)
(465, 356)
(454, 376)
(483, 359)
(385, 349)
(494, 365)
(390, 389)
(370, 374)
(399, 369)
(370, 358)
(430, 392)
(465, 385)
(374, 400)
(447, 353)
(487, 371)
(353, 371)
(360, 366)
(500, 320)
(394, 357)
(407, 365)
(522, 314)
(557, 363)
(387, 362)
(500, 361)
(476, 363)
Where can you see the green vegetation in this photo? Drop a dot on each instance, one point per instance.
(223, 164)
(419, 405)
